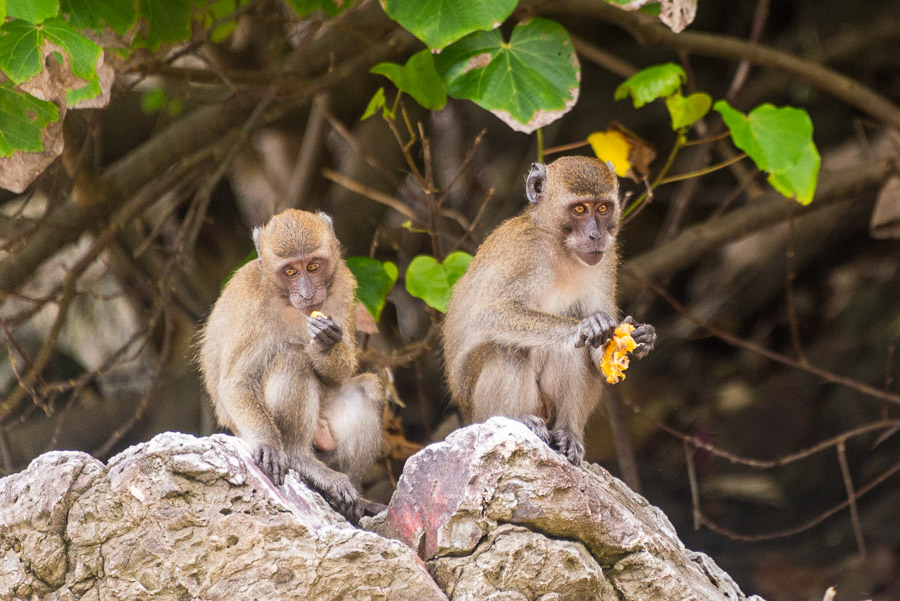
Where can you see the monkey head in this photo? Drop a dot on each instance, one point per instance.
(577, 199)
(298, 254)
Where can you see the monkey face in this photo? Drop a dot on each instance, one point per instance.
(304, 280)
(590, 229)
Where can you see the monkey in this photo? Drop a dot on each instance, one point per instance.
(526, 323)
(278, 357)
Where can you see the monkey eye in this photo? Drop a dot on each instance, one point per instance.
(289, 271)
(579, 209)
(602, 208)
(312, 267)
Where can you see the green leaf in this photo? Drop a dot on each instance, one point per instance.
(651, 83)
(687, 111)
(20, 50)
(22, 118)
(376, 103)
(83, 53)
(432, 281)
(774, 138)
(2, 11)
(216, 11)
(169, 20)
(440, 22)
(92, 90)
(375, 281)
(120, 15)
(418, 78)
(528, 82)
(799, 181)
(154, 100)
(33, 11)
(332, 8)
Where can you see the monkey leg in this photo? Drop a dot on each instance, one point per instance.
(354, 414)
(572, 386)
(505, 383)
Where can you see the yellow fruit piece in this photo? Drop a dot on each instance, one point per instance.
(615, 353)
(317, 314)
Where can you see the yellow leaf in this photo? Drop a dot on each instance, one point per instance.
(615, 353)
(612, 146)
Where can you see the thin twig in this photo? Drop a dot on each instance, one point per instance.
(692, 481)
(704, 171)
(851, 497)
(790, 255)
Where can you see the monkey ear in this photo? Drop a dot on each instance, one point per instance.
(536, 182)
(257, 232)
(326, 219)
(611, 166)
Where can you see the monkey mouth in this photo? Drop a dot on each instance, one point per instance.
(589, 257)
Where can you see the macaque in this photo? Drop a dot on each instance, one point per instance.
(278, 355)
(526, 324)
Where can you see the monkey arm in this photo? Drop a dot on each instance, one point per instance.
(336, 363)
(514, 324)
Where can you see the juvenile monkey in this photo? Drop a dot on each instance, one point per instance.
(526, 324)
(282, 379)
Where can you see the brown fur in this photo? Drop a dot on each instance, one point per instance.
(513, 319)
(271, 383)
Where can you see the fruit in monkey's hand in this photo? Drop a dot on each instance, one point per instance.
(615, 353)
(315, 314)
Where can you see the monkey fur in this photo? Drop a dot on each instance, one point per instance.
(526, 324)
(283, 380)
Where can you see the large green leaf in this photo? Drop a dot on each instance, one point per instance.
(432, 281)
(332, 8)
(775, 138)
(418, 78)
(440, 22)
(685, 111)
(83, 53)
(799, 181)
(528, 82)
(33, 11)
(375, 281)
(22, 118)
(169, 21)
(120, 15)
(651, 83)
(20, 50)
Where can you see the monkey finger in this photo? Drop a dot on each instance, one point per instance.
(566, 443)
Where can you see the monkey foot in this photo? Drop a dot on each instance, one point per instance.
(537, 426)
(564, 442)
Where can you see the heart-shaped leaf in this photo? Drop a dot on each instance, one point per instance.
(418, 78)
(651, 83)
(375, 280)
(33, 11)
(799, 182)
(685, 111)
(20, 49)
(440, 22)
(775, 138)
(528, 82)
(22, 118)
(432, 281)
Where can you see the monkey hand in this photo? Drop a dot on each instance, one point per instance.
(566, 443)
(536, 425)
(341, 494)
(595, 330)
(644, 336)
(323, 331)
(272, 461)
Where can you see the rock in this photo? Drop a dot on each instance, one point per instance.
(180, 518)
(497, 514)
(492, 514)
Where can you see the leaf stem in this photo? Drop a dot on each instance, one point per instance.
(699, 172)
(679, 143)
(715, 138)
(540, 145)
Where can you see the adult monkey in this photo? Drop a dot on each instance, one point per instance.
(524, 331)
(278, 355)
